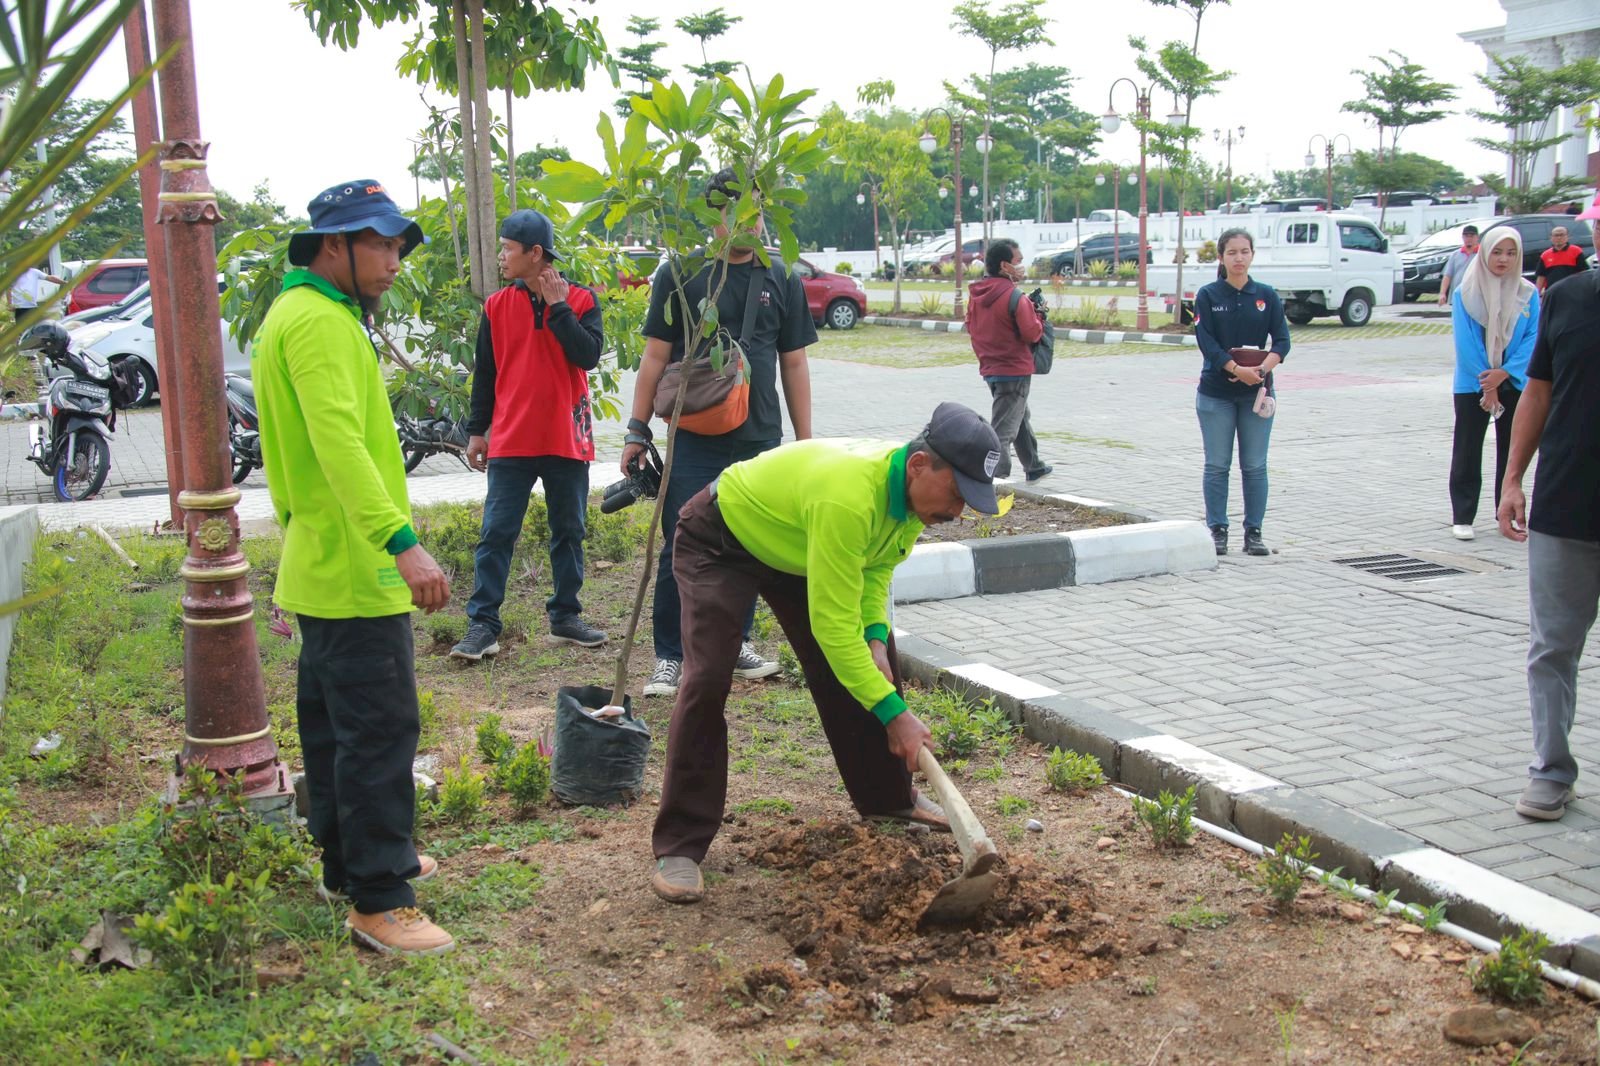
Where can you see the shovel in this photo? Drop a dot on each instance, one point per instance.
(960, 898)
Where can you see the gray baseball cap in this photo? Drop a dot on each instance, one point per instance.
(961, 437)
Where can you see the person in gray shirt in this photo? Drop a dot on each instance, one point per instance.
(1457, 264)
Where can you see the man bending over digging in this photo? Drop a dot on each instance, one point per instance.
(816, 528)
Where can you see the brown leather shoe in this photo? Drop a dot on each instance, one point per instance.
(429, 864)
(677, 880)
(402, 931)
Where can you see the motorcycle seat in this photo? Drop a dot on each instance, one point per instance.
(242, 385)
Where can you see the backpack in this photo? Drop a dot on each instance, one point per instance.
(125, 384)
(1044, 349)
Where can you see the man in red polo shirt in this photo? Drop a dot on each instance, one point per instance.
(1561, 260)
(530, 421)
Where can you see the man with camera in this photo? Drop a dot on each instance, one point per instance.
(782, 328)
(1003, 329)
(530, 421)
(816, 529)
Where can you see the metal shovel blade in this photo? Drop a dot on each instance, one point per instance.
(959, 899)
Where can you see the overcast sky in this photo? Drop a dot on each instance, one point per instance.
(278, 106)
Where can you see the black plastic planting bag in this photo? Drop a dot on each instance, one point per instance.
(597, 761)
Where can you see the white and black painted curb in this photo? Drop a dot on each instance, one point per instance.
(1263, 808)
(1082, 336)
(1033, 562)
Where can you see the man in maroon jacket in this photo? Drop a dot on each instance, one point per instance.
(530, 421)
(1003, 342)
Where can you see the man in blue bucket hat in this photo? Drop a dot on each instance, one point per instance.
(351, 569)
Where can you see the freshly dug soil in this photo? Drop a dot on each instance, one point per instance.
(1026, 516)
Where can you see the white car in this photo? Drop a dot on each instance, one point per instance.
(132, 335)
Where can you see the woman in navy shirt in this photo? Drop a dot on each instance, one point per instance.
(1236, 311)
(1496, 316)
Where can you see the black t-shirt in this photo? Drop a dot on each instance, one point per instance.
(1566, 490)
(783, 324)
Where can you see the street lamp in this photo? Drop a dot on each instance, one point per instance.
(1117, 170)
(1111, 122)
(930, 144)
(1327, 149)
(877, 242)
(984, 144)
(1227, 138)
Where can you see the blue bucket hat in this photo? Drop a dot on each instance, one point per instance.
(351, 207)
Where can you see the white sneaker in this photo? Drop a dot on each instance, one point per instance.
(750, 665)
(664, 681)
(1462, 532)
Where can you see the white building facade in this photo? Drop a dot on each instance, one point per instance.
(1549, 33)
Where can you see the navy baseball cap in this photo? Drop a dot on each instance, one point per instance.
(961, 437)
(531, 227)
(351, 207)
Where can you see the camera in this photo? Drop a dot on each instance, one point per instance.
(643, 481)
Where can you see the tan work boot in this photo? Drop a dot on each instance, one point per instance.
(677, 880)
(402, 931)
(428, 863)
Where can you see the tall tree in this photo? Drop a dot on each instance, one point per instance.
(1015, 27)
(1061, 133)
(638, 61)
(703, 27)
(1177, 68)
(1526, 100)
(1399, 95)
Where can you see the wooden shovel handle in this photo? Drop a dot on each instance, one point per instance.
(977, 852)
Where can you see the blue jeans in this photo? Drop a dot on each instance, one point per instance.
(1220, 421)
(566, 497)
(696, 463)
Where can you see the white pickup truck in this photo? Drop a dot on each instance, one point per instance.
(1321, 263)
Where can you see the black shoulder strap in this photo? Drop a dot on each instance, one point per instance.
(1011, 307)
(752, 301)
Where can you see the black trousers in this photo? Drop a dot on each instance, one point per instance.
(357, 710)
(1466, 453)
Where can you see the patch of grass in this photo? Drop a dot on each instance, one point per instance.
(505, 886)
(1512, 973)
(990, 773)
(894, 346)
(509, 835)
(1197, 916)
(1069, 771)
(1013, 805)
(1169, 818)
(1065, 437)
(765, 805)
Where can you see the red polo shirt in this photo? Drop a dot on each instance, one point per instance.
(541, 400)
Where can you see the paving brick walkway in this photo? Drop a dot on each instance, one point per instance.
(1405, 701)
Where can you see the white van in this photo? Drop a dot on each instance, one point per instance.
(1321, 264)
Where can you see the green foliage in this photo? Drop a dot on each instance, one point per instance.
(1197, 916)
(461, 793)
(703, 27)
(789, 667)
(1127, 268)
(1069, 771)
(505, 886)
(932, 303)
(444, 627)
(525, 776)
(615, 537)
(961, 729)
(1513, 973)
(1281, 870)
(211, 835)
(765, 805)
(1169, 818)
(1526, 98)
(1099, 269)
(494, 743)
(1398, 96)
(1013, 805)
(207, 936)
(844, 267)
(1207, 252)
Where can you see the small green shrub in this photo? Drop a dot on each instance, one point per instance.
(789, 666)
(931, 303)
(1068, 771)
(427, 718)
(1207, 252)
(494, 743)
(961, 728)
(212, 834)
(461, 793)
(844, 268)
(617, 537)
(1431, 918)
(1513, 973)
(1012, 805)
(525, 776)
(1128, 268)
(1282, 870)
(974, 270)
(1100, 268)
(1169, 818)
(445, 627)
(208, 933)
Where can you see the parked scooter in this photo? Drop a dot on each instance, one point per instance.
(71, 442)
(244, 427)
(429, 434)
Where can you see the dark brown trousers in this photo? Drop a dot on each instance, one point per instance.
(718, 581)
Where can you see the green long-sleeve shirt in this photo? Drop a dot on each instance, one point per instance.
(834, 512)
(332, 458)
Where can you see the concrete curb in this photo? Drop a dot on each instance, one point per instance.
(1082, 336)
(1039, 561)
(18, 528)
(1263, 809)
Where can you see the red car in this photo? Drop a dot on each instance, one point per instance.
(836, 300)
(106, 283)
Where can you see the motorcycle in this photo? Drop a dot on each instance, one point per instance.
(430, 434)
(244, 427)
(70, 443)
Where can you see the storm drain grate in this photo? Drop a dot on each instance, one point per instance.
(1399, 567)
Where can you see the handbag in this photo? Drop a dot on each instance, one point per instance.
(1043, 349)
(714, 402)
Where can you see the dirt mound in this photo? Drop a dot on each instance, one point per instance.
(853, 912)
